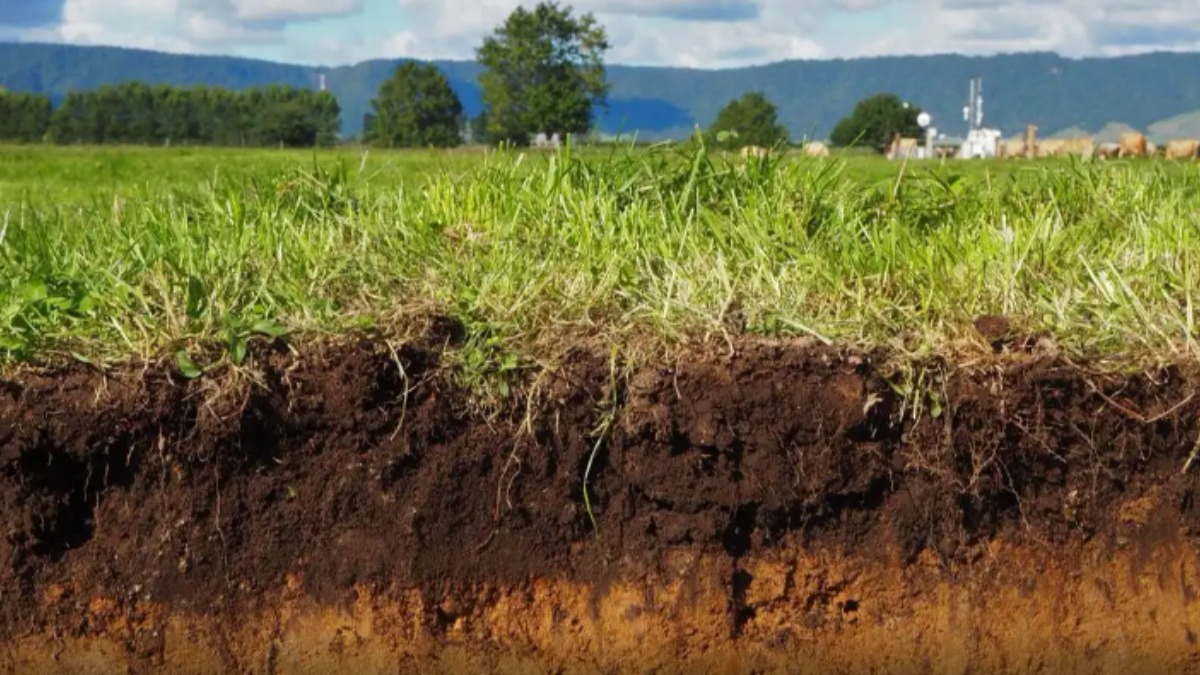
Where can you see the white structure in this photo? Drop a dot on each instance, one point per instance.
(910, 148)
(980, 142)
(541, 140)
(930, 132)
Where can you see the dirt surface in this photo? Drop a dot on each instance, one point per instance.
(784, 499)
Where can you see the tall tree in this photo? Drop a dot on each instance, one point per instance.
(754, 118)
(287, 123)
(875, 120)
(67, 123)
(543, 72)
(328, 114)
(416, 107)
(24, 118)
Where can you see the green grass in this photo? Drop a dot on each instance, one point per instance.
(71, 174)
(118, 253)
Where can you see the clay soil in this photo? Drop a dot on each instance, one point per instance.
(777, 507)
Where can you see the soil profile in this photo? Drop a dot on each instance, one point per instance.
(780, 506)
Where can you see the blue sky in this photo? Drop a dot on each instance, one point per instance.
(696, 33)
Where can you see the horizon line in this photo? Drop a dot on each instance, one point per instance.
(844, 59)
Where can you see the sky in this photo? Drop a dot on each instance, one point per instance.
(692, 33)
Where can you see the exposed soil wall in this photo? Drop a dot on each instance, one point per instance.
(780, 508)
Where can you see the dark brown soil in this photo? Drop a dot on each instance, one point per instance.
(347, 466)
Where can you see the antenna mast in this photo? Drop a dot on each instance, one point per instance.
(979, 103)
(973, 112)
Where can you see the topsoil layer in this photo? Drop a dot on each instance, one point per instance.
(355, 467)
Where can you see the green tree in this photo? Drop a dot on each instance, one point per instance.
(328, 114)
(542, 72)
(287, 123)
(875, 121)
(755, 120)
(416, 107)
(67, 124)
(24, 118)
(134, 112)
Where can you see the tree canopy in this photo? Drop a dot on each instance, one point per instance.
(542, 72)
(416, 107)
(875, 120)
(24, 118)
(754, 119)
(135, 112)
(286, 123)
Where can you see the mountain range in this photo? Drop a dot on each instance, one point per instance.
(1158, 92)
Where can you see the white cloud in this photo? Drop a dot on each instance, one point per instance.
(445, 28)
(695, 33)
(703, 44)
(664, 32)
(692, 32)
(705, 10)
(1070, 27)
(184, 25)
(290, 10)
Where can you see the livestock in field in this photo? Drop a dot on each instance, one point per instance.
(1061, 147)
(1108, 150)
(1050, 147)
(1013, 147)
(1133, 144)
(902, 148)
(1153, 149)
(1083, 147)
(1183, 148)
(754, 151)
(816, 149)
(544, 141)
(1031, 148)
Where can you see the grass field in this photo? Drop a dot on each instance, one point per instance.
(116, 253)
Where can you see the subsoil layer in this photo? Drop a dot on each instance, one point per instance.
(774, 507)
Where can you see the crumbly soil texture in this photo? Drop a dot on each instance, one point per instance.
(361, 466)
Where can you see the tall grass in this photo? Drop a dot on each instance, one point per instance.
(529, 250)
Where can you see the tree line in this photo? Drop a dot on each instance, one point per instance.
(138, 113)
(543, 72)
(24, 118)
(873, 123)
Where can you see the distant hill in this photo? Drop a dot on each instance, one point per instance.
(1051, 91)
(1186, 125)
(1111, 132)
(1069, 132)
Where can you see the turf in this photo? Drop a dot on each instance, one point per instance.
(108, 254)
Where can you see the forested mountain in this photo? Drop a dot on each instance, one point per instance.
(1052, 91)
